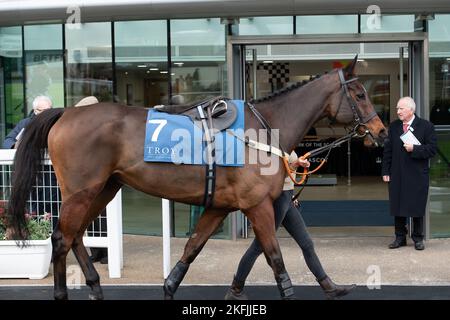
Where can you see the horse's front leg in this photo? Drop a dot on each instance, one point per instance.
(263, 223)
(207, 224)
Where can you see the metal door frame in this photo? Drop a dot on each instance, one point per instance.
(418, 67)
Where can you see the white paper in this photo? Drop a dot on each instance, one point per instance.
(410, 138)
(19, 135)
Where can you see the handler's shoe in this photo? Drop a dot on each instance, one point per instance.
(236, 291)
(398, 242)
(419, 245)
(333, 291)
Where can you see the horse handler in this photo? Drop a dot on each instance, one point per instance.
(288, 213)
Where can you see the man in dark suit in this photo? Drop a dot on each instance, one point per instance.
(406, 168)
(40, 104)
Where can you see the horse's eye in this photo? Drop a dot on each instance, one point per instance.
(360, 96)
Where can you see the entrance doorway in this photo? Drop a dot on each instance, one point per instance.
(348, 197)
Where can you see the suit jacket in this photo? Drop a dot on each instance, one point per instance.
(409, 171)
(10, 139)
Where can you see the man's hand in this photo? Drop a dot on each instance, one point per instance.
(295, 203)
(386, 178)
(409, 147)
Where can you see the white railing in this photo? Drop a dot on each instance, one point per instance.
(45, 197)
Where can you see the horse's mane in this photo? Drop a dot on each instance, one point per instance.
(286, 89)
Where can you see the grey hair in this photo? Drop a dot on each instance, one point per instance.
(409, 102)
(41, 98)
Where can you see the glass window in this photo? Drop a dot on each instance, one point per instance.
(439, 205)
(89, 62)
(387, 23)
(198, 71)
(329, 24)
(44, 62)
(142, 80)
(12, 106)
(141, 62)
(198, 59)
(265, 25)
(439, 53)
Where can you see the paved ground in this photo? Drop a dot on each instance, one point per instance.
(262, 292)
(361, 260)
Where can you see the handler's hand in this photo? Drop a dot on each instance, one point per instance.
(386, 178)
(409, 147)
(303, 162)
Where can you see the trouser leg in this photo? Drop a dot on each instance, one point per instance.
(400, 227)
(417, 234)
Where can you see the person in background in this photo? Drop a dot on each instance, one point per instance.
(287, 213)
(40, 104)
(406, 169)
(97, 254)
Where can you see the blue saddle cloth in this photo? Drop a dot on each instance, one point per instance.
(176, 139)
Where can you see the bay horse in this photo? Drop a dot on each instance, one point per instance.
(97, 149)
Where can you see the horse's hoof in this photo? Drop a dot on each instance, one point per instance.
(168, 296)
(289, 298)
(95, 296)
(231, 295)
(61, 296)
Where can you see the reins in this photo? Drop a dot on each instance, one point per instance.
(305, 174)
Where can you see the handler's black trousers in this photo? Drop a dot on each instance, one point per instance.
(401, 231)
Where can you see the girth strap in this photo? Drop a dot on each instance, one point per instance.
(210, 182)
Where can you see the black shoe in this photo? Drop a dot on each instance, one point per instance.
(99, 254)
(419, 245)
(104, 260)
(397, 243)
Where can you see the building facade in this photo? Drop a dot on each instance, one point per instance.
(145, 53)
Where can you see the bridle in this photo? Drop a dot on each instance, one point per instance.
(359, 119)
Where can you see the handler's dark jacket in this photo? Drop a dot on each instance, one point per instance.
(409, 171)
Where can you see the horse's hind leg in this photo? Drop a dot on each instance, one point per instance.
(86, 265)
(263, 223)
(207, 224)
(77, 212)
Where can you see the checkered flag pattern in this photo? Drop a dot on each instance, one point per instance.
(277, 72)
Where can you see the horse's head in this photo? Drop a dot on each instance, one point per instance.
(350, 104)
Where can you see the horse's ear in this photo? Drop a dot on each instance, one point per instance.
(350, 68)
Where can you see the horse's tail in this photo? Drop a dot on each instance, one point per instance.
(27, 161)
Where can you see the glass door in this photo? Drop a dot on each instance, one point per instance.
(348, 191)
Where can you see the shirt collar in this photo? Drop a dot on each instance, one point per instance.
(411, 121)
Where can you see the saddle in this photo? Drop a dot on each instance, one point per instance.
(222, 110)
(217, 113)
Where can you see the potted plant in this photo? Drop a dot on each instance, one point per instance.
(31, 260)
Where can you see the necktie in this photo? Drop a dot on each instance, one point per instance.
(405, 127)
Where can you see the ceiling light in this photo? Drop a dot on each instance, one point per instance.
(268, 61)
